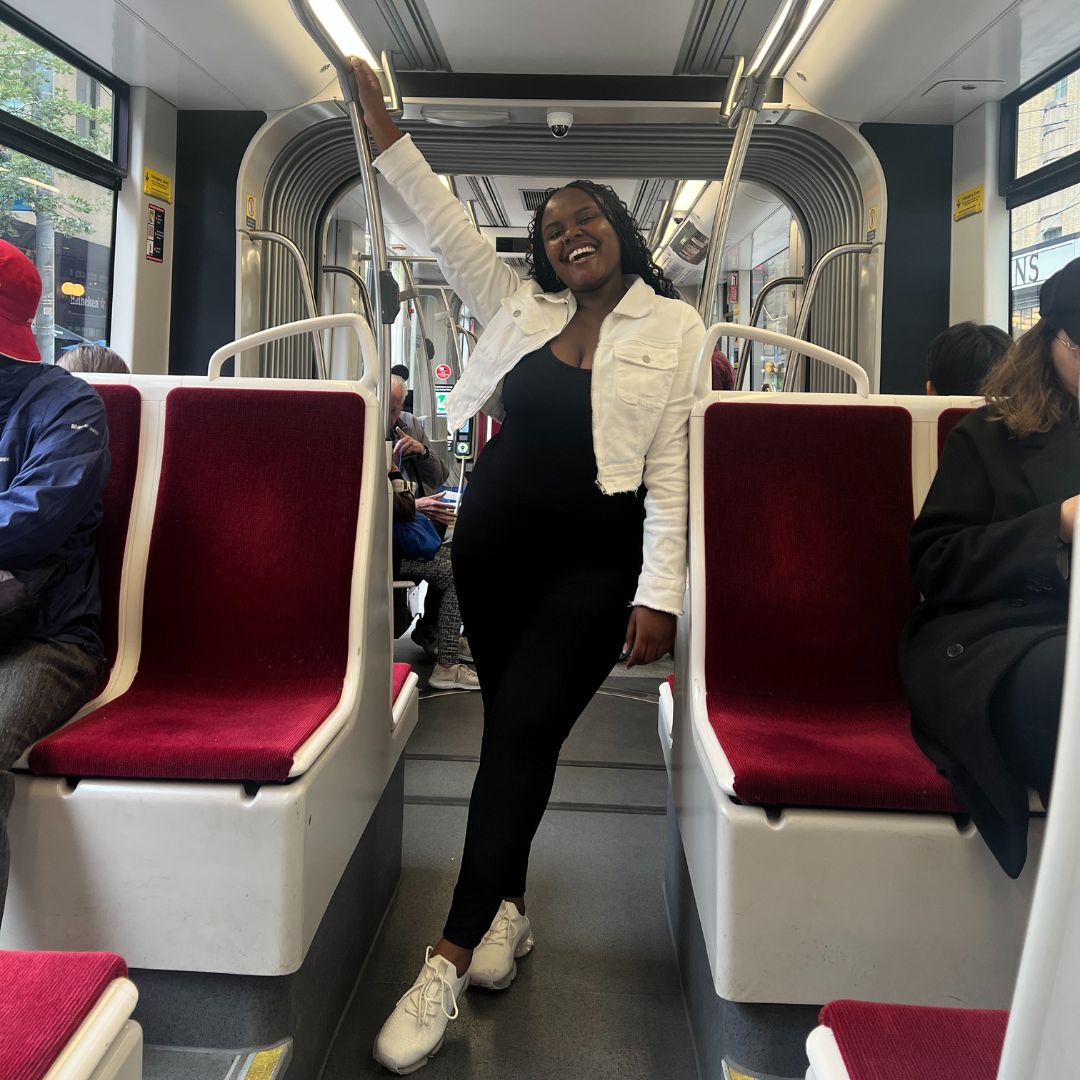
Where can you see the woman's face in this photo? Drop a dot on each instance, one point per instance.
(579, 241)
(1066, 357)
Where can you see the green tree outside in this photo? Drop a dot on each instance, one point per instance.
(41, 88)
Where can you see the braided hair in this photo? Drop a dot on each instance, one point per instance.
(636, 257)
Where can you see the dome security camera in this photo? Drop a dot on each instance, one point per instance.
(559, 122)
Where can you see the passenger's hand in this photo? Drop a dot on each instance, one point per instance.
(1068, 518)
(649, 636)
(432, 506)
(408, 445)
(376, 119)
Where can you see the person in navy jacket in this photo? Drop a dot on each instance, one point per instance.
(54, 460)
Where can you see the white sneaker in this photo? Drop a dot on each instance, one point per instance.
(413, 1033)
(464, 653)
(494, 961)
(453, 677)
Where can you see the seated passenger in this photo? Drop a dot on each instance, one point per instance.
(54, 459)
(93, 358)
(961, 357)
(982, 658)
(723, 374)
(402, 372)
(449, 672)
(426, 472)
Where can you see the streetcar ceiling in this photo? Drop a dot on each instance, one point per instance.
(890, 60)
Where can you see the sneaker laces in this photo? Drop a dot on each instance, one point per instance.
(499, 931)
(419, 999)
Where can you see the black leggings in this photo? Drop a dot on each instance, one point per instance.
(1025, 710)
(544, 640)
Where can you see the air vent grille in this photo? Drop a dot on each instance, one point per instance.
(533, 198)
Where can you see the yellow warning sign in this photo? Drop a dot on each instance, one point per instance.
(968, 203)
(250, 206)
(157, 185)
(871, 223)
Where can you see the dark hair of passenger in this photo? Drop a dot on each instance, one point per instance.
(636, 257)
(1024, 391)
(93, 358)
(961, 357)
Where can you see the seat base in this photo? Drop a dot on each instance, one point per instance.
(124, 1058)
(189, 876)
(809, 905)
(750, 1039)
(187, 1008)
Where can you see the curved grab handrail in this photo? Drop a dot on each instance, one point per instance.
(783, 341)
(369, 357)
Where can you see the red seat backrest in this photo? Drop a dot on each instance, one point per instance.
(252, 548)
(807, 512)
(122, 412)
(946, 421)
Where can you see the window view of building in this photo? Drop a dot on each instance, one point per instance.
(1045, 236)
(1045, 232)
(63, 222)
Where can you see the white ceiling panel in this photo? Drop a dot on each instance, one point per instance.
(197, 54)
(906, 61)
(562, 37)
(1026, 40)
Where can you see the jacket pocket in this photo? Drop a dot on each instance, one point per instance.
(644, 373)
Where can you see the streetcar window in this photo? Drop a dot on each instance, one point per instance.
(1045, 235)
(53, 94)
(60, 154)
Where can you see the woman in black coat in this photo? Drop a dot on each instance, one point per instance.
(982, 659)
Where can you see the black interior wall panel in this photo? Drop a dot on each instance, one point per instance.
(209, 148)
(917, 161)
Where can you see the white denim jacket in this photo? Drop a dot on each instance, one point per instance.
(643, 368)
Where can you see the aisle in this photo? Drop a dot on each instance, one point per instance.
(599, 997)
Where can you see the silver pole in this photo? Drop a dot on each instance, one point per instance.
(755, 314)
(365, 296)
(782, 29)
(730, 185)
(305, 285)
(367, 173)
(373, 207)
(795, 361)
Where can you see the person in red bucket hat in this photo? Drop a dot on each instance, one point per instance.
(20, 292)
(54, 460)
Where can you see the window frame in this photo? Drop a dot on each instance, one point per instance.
(61, 153)
(55, 150)
(1055, 175)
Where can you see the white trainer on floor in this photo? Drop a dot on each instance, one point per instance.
(414, 1031)
(453, 677)
(464, 653)
(494, 962)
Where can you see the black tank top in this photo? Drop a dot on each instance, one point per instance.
(535, 482)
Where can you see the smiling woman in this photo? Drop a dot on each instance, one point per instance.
(590, 365)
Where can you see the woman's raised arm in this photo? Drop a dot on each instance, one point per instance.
(467, 260)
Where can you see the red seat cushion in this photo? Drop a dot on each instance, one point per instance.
(807, 512)
(400, 673)
(122, 411)
(946, 421)
(897, 1042)
(44, 997)
(246, 610)
(856, 756)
